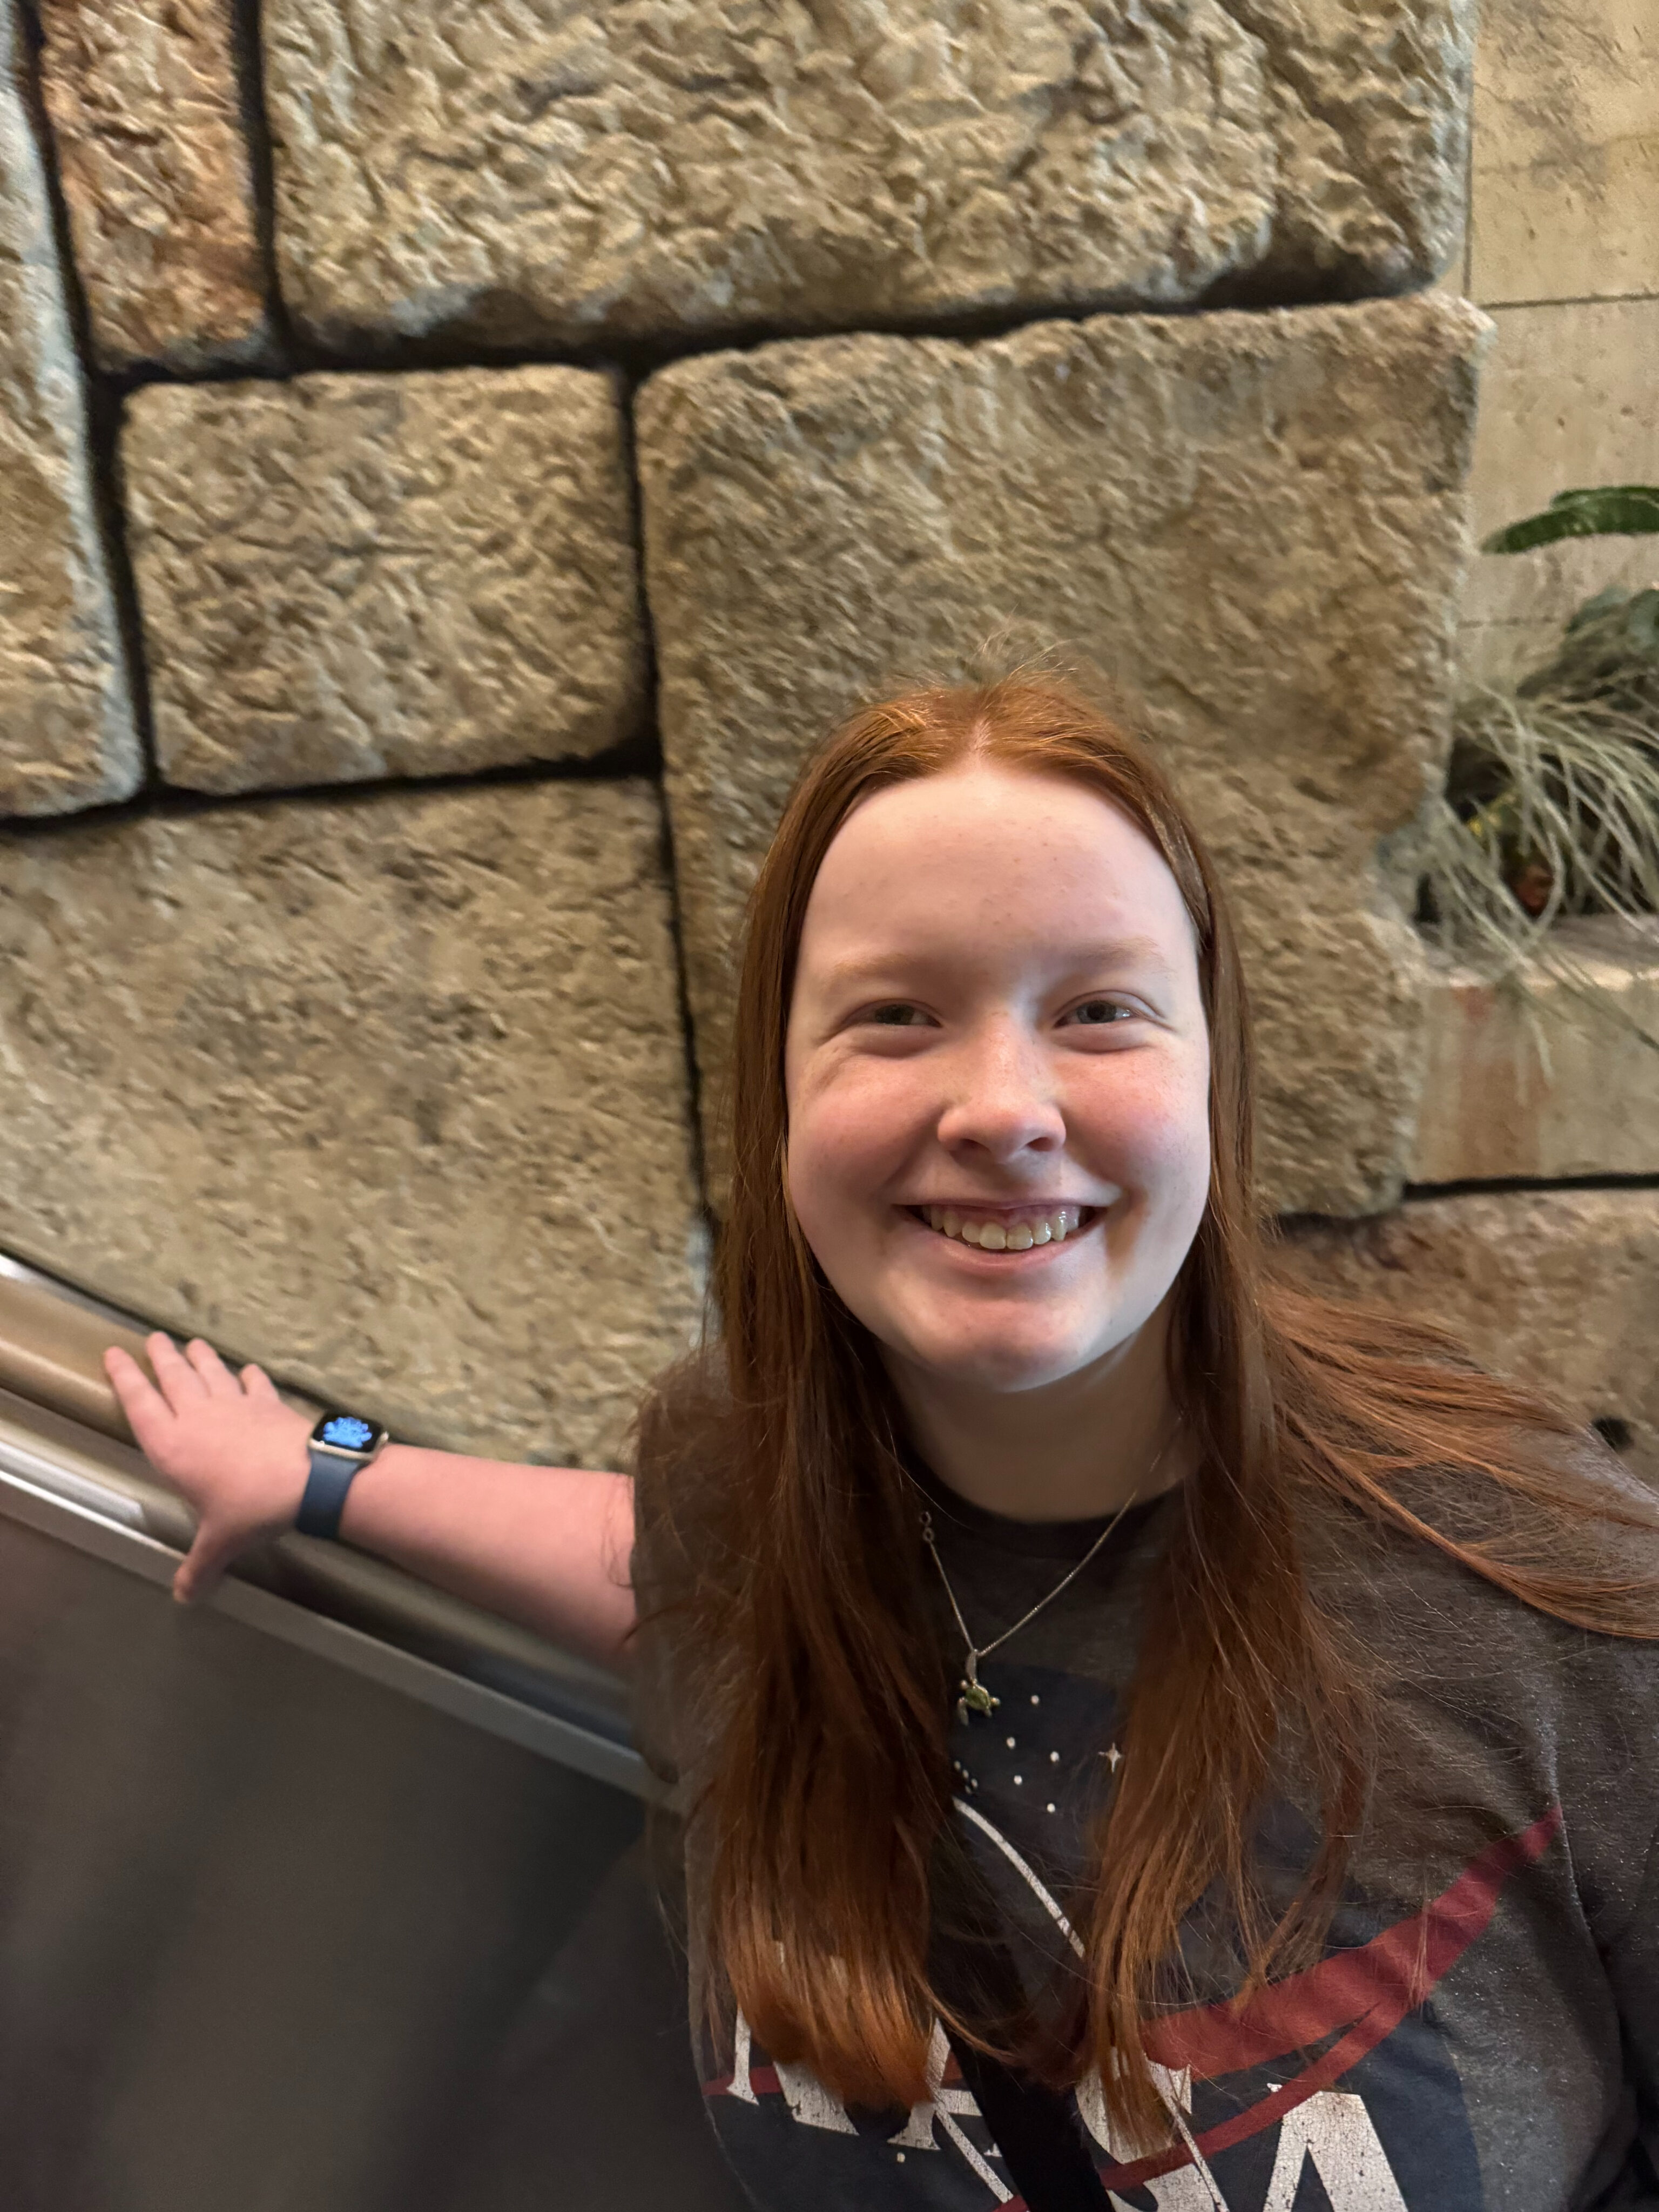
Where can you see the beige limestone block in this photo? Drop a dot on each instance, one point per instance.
(66, 731)
(145, 110)
(1548, 1077)
(1558, 1287)
(505, 172)
(1564, 182)
(349, 577)
(388, 1091)
(1567, 397)
(1254, 524)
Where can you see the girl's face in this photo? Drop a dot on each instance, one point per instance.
(998, 1076)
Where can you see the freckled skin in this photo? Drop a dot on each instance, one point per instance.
(998, 1000)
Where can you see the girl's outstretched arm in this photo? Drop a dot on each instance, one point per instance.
(546, 1546)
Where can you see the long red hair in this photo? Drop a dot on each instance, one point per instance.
(828, 1792)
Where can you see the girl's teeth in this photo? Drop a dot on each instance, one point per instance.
(994, 1236)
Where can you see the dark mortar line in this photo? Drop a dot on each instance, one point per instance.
(694, 1089)
(1269, 290)
(248, 55)
(1581, 299)
(1423, 1194)
(638, 359)
(1509, 1186)
(633, 759)
(1246, 292)
(980, 325)
(649, 733)
(672, 875)
(100, 407)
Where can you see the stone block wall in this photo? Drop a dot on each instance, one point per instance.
(694, 168)
(1254, 521)
(1552, 1098)
(157, 178)
(394, 1088)
(1563, 253)
(67, 737)
(343, 578)
(453, 463)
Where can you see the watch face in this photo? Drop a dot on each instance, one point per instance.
(345, 1432)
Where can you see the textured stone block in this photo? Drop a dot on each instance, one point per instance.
(1566, 398)
(388, 1091)
(1564, 179)
(145, 109)
(348, 577)
(1253, 522)
(66, 731)
(1557, 1077)
(510, 174)
(1559, 1287)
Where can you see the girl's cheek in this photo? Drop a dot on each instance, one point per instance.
(832, 1163)
(1155, 1120)
(861, 1121)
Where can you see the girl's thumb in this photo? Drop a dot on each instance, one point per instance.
(202, 1569)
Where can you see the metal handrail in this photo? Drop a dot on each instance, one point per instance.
(68, 1468)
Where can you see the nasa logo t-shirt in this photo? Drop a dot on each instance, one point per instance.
(1482, 2033)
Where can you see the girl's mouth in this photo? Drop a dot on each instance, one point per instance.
(1007, 1228)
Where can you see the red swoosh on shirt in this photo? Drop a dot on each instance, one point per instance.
(1368, 1991)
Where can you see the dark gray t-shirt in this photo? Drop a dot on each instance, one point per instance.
(1482, 2034)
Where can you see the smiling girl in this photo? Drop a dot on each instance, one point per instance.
(1143, 1735)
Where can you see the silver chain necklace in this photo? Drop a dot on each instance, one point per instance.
(972, 1696)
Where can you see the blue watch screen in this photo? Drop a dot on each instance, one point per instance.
(346, 1430)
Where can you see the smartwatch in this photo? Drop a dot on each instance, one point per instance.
(340, 1444)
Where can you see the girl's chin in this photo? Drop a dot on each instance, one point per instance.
(993, 1364)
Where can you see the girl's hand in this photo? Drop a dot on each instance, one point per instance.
(230, 1444)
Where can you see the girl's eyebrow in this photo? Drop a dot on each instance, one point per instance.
(1146, 949)
(883, 967)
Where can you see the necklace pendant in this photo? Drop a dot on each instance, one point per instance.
(972, 1696)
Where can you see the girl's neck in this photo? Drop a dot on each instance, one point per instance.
(1068, 1451)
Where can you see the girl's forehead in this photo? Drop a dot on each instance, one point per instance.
(981, 841)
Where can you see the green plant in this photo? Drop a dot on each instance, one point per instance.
(1602, 510)
(1552, 799)
(1608, 657)
(1550, 808)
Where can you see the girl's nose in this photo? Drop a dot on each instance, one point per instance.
(1003, 1102)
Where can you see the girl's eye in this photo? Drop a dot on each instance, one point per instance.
(1098, 1013)
(898, 1015)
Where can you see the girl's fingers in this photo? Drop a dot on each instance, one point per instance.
(181, 1385)
(217, 1378)
(148, 1412)
(258, 1384)
(202, 1567)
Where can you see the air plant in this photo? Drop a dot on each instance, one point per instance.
(1551, 800)
(1552, 808)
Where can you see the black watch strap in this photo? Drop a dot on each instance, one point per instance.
(320, 1509)
(338, 1445)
